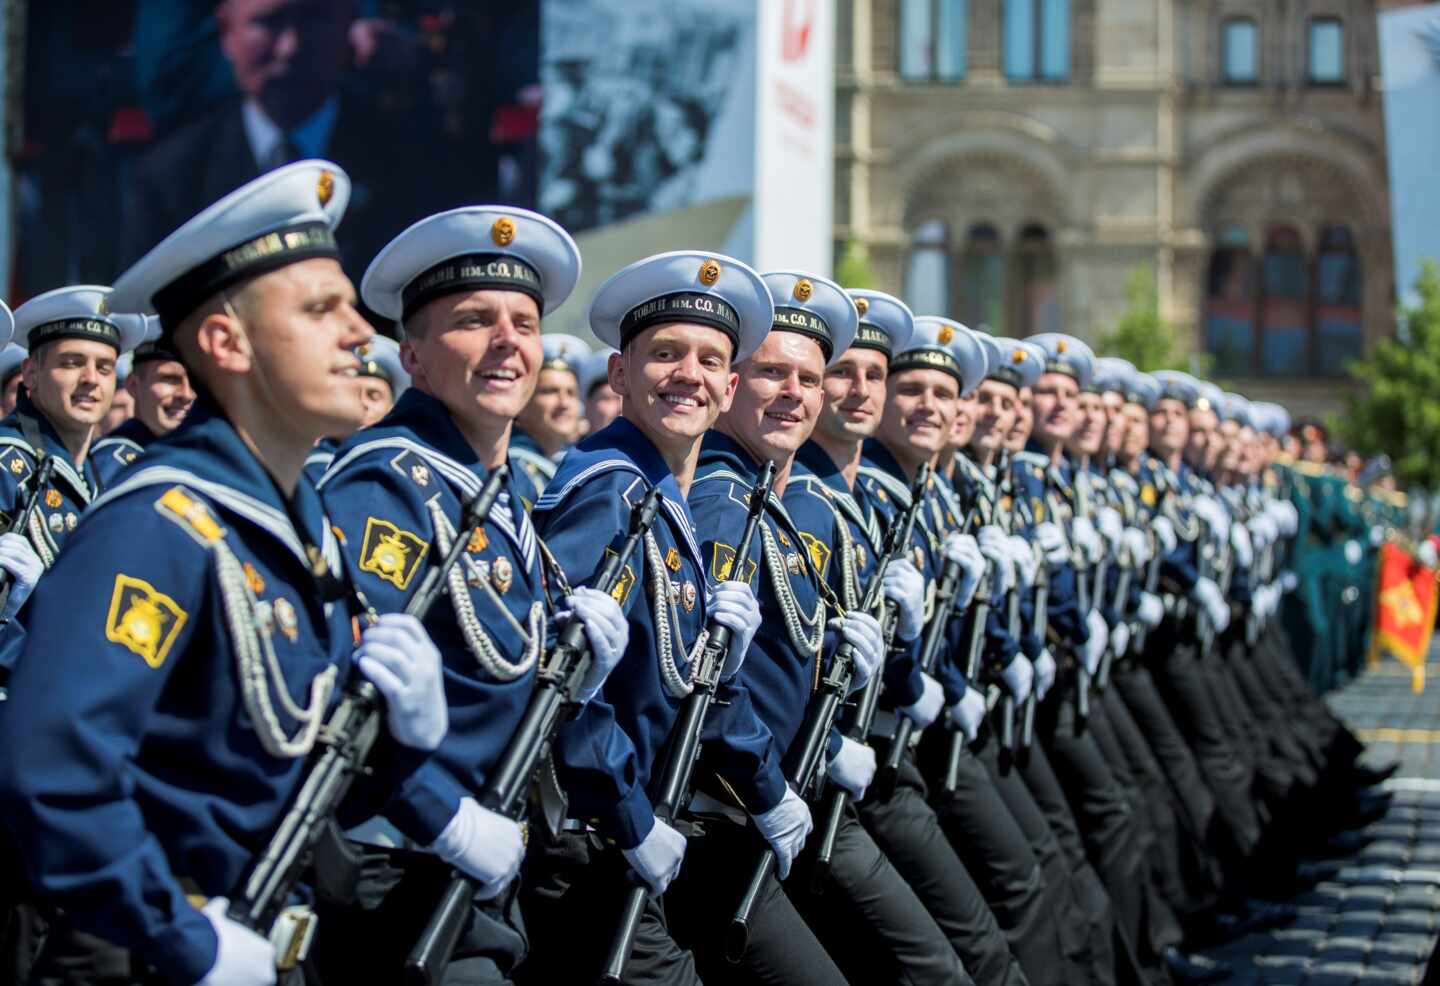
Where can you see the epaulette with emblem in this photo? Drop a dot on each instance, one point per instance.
(191, 514)
(16, 463)
(413, 467)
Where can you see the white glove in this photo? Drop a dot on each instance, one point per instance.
(1289, 581)
(964, 551)
(1022, 556)
(1018, 678)
(1208, 595)
(785, 827)
(1044, 674)
(992, 545)
(1425, 555)
(852, 767)
(1260, 527)
(926, 708)
(1111, 524)
(1136, 545)
(906, 586)
(484, 845)
(243, 958)
(1240, 544)
(1052, 543)
(1208, 509)
(1086, 539)
(24, 566)
(1119, 639)
(396, 654)
(1264, 601)
(657, 858)
(733, 605)
(607, 630)
(1165, 534)
(967, 714)
(862, 632)
(1377, 535)
(1286, 517)
(1095, 645)
(1150, 611)
(1353, 552)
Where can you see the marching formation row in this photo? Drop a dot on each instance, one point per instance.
(846, 645)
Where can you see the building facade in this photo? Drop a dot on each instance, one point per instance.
(1013, 162)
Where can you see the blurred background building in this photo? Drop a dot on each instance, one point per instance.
(1011, 163)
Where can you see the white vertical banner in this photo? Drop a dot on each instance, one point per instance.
(794, 136)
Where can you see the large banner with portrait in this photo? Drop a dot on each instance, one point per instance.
(139, 113)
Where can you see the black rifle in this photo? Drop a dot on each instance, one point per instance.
(1042, 627)
(978, 614)
(685, 734)
(340, 754)
(43, 472)
(895, 545)
(1108, 659)
(813, 737)
(557, 687)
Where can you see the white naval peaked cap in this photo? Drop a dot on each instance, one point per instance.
(1012, 361)
(380, 357)
(815, 307)
(10, 359)
(564, 352)
(685, 286)
(283, 217)
(80, 311)
(473, 248)
(886, 322)
(945, 345)
(1068, 355)
(594, 370)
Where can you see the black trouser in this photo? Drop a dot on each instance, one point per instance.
(782, 949)
(997, 853)
(572, 890)
(367, 937)
(868, 917)
(907, 830)
(1087, 922)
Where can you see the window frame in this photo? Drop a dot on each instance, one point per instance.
(1342, 78)
(1037, 76)
(1225, 78)
(935, 76)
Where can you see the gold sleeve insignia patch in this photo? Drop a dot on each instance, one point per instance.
(722, 561)
(15, 461)
(1147, 495)
(620, 591)
(1037, 506)
(142, 620)
(819, 553)
(190, 513)
(391, 554)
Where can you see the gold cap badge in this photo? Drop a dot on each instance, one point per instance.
(1018, 356)
(325, 187)
(862, 305)
(104, 307)
(1061, 345)
(946, 334)
(503, 232)
(709, 272)
(803, 289)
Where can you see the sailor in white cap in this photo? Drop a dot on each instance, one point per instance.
(199, 626)
(12, 358)
(382, 381)
(159, 386)
(470, 288)
(680, 321)
(551, 422)
(602, 404)
(122, 404)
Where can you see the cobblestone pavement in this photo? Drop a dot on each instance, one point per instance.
(1376, 923)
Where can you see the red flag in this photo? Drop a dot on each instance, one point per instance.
(1404, 611)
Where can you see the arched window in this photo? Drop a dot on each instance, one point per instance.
(1239, 51)
(1326, 55)
(1339, 334)
(933, 37)
(1230, 304)
(1034, 303)
(982, 278)
(1284, 305)
(1037, 40)
(927, 274)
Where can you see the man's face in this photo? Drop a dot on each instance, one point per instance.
(72, 380)
(919, 410)
(1056, 407)
(1169, 427)
(10, 394)
(287, 55)
(854, 395)
(674, 380)
(162, 393)
(996, 405)
(1115, 421)
(602, 406)
(122, 409)
(779, 397)
(478, 353)
(967, 408)
(1202, 431)
(1224, 450)
(1089, 434)
(1019, 432)
(553, 415)
(377, 398)
(1135, 432)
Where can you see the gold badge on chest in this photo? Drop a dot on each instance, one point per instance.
(502, 574)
